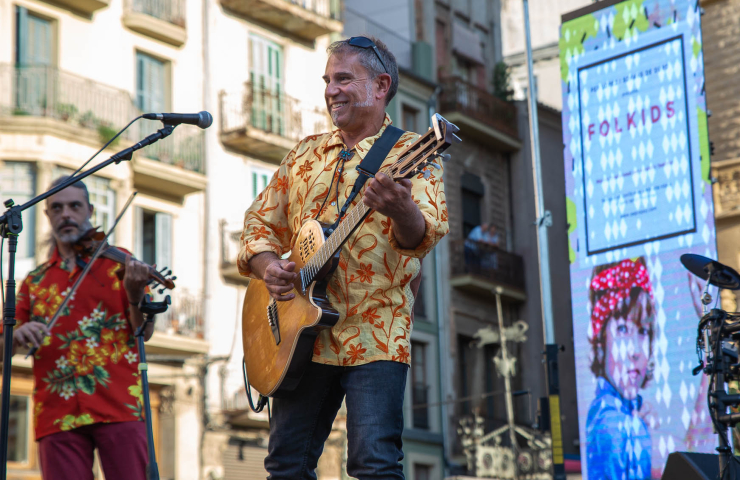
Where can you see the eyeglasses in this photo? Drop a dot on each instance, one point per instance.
(364, 42)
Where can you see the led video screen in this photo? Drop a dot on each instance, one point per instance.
(638, 194)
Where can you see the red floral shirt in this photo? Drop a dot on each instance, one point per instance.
(86, 371)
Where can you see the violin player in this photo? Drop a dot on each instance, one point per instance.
(87, 391)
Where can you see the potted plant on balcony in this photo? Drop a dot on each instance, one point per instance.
(66, 110)
(88, 120)
(106, 132)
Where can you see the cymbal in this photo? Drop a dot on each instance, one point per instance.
(722, 275)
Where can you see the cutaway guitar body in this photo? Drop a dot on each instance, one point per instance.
(279, 336)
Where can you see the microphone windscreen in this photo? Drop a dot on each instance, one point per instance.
(205, 120)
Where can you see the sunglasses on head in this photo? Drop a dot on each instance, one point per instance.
(364, 42)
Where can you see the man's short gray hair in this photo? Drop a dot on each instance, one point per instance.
(77, 184)
(370, 61)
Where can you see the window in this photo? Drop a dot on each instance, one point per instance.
(18, 182)
(33, 54)
(102, 197)
(266, 80)
(465, 357)
(154, 237)
(150, 83)
(420, 388)
(409, 118)
(260, 177)
(18, 429)
(33, 39)
(422, 471)
(472, 198)
(440, 32)
(420, 311)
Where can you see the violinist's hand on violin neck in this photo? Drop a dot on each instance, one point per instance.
(135, 279)
(30, 333)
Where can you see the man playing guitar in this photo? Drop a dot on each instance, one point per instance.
(87, 392)
(364, 358)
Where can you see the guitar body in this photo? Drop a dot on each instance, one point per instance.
(278, 337)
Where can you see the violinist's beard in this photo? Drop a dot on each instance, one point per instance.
(72, 237)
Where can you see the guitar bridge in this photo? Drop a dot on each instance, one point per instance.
(272, 319)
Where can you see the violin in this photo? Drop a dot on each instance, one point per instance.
(89, 241)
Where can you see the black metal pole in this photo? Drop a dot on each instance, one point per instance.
(553, 402)
(11, 225)
(8, 324)
(152, 470)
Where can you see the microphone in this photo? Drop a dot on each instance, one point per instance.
(202, 119)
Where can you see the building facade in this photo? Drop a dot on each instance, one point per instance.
(262, 77)
(72, 73)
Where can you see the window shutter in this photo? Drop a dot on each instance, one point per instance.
(139, 229)
(21, 53)
(163, 239)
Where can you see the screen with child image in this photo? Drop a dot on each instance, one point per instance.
(638, 194)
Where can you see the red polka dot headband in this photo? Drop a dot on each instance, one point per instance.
(617, 282)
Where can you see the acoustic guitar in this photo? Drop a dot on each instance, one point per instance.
(278, 337)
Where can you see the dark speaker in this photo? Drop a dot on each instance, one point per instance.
(696, 466)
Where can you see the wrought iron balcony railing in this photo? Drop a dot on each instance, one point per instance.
(463, 97)
(46, 91)
(172, 11)
(487, 262)
(267, 111)
(184, 317)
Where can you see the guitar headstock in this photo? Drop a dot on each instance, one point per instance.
(427, 150)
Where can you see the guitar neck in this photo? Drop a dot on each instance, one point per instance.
(345, 228)
(410, 160)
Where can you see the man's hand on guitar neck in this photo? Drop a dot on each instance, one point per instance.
(394, 201)
(277, 274)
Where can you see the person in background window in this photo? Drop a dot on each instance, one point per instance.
(87, 391)
(478, 243)
(622, 320)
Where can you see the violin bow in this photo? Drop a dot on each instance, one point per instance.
(95, 255)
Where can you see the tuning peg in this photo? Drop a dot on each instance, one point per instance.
(174, 278)
(435, 165)
(161, 291)
(427, 174)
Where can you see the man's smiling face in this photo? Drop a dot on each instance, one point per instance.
(350, 93)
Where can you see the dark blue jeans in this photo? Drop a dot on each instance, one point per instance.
(301, 423)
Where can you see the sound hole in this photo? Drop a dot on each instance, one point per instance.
(307, 247)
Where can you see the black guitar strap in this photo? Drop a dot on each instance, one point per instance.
(369, 167)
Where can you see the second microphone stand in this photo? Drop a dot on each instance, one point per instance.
(149, 309)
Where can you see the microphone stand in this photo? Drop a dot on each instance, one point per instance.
(150, 309)
(11, 225)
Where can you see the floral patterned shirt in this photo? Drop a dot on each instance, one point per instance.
(86, 371)
(370, 288)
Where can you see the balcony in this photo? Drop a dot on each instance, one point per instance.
(181, 329)
(305, 19)
(86, 7)
(160, 19)
(267, 124)
(230, 246)
(44, 100)
(479, 268)
(479, 114)
(174, 165)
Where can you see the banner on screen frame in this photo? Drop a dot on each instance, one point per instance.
(636, 161)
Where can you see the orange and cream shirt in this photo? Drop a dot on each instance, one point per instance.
(370, 287)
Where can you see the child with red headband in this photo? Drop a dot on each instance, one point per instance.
(621, 335)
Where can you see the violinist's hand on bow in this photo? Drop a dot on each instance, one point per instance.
(135, 279)
(30, 333)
